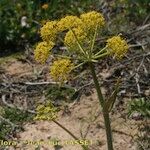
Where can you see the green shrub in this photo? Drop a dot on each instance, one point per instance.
(142, 107)
(138, 9)
(16, 117)
(59, 94)
(12, 33)
(135, 10)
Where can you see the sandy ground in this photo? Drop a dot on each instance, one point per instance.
(84, 119)
(80, 121)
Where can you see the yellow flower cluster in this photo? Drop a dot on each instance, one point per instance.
(87, 21)
(117, 47)
(83, 28)
(68, 22)
(42, 50)
(49, 31)
(92, 19)
(60, 70)
(72, 36)
(78, 32)
(46, 112)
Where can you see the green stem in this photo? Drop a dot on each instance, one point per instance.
(100, 56)
(101, 51)
(105, 112)
(70, 133)
(78, 42)
(93, 40)
(62, 56)
(79, 65)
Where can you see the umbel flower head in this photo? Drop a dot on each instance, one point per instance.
(73, 36)
(46, 112)
(60, 69)
(49, 31)
(92, 19)
(78, 35)
(42, 51)
(76, 28)
(68, 22)
(84, 28)
(117, 46)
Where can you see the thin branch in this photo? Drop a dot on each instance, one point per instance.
(12, 106)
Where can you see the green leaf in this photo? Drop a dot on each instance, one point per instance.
(109, 103)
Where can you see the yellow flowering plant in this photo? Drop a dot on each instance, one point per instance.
(79, 37)
(46, 112)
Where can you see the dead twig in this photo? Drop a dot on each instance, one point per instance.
(141, 28)
(39, 83)
(13, 106)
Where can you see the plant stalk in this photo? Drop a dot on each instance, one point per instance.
(70, 133)
(105, 112)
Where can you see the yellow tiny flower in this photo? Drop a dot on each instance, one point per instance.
(45, 6)
(91, 20)
(49, 31)
(68, 22)
(60, 70)
(46, 112)
(72, 36)
(42, 50)
(117, 47)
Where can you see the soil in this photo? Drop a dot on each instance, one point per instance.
(80, 122)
